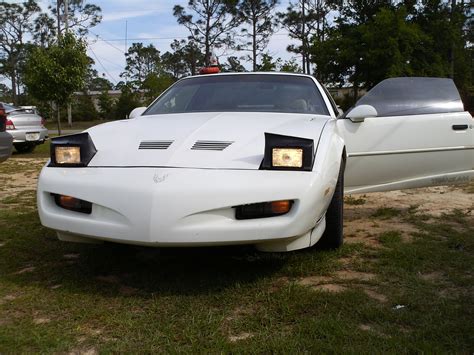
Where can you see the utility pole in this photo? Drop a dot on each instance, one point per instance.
(56, 104)
(451, 51)
(126, 49)
(66, 29)
(303, 34)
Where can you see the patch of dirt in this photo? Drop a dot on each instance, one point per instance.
(241, 336)
(127, 291)
(41, 320)
(432, 276)
(71, 256)
(329, 288)
(88, 351)
(365, 327)
(112, 279)
(376, 295)
(433, 201)
(321, 283)
(362, 227)
(25, 270)
(314, 280)
(240, 312)
(350, 275)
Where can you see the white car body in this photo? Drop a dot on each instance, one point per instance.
(186, 196)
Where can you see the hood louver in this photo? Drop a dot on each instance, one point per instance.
(155, 144)
(211, 145)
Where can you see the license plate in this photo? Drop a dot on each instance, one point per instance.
(33, 136)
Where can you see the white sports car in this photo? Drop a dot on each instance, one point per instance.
(251, 158)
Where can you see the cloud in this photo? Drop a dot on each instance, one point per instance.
(123, 15)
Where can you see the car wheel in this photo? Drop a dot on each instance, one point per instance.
(333, 236)
(25, 147)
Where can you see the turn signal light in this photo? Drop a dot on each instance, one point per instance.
(73, 204)
(280, 207)
(263, 210)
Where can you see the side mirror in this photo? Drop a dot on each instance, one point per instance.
(360, 113)
(136, 112)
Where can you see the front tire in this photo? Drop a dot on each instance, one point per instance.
(333, 236)
(25, 147)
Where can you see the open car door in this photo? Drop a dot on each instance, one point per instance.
(406, 133)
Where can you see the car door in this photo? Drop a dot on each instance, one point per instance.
(420, 137)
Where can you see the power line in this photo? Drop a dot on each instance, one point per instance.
(99, 38)
(103, 67)
(156, 38)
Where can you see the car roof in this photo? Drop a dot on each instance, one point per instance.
(252, 73)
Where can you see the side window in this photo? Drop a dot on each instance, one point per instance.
(331, 100)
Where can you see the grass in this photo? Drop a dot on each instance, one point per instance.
(350, 200)
(61, 297)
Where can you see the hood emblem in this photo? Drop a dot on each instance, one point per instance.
(211, 145)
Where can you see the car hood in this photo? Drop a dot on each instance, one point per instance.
(198, 140)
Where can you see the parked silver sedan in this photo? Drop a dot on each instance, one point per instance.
(26, 127)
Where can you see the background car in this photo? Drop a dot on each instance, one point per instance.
(5, 138)
(26, 127)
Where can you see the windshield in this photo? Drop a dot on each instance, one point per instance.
(241, 93)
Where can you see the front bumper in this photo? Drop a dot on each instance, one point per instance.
(179, 206)
(20, 135)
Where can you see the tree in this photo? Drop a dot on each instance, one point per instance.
(141, 62)
(233, 65)
(184, 59)
(290, 66)
(127, 101)
(268, 64)
(15, 24)
(79, 16)
(105, 105)
(5, 93)
(44, 30)
(56, 72)
(83, 108)
(258, 15)
(212, 24)
(303, 20)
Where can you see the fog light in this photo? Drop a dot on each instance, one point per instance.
(287, 157)
(73, 204)
(263, 210)
(67, 155)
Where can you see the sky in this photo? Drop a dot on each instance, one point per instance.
(148, 21)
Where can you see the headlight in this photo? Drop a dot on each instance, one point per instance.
(289, 157)
(68, 155)
(75, 150)
(287, 153)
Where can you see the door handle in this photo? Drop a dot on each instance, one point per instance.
(459, 127)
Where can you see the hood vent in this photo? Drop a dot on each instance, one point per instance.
(155, 144)
(211, 145)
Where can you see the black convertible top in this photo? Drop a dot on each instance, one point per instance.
(413, 96)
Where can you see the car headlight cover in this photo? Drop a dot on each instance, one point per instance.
(287, 153)
(287, 157)
(68, 155)
(75, 150)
